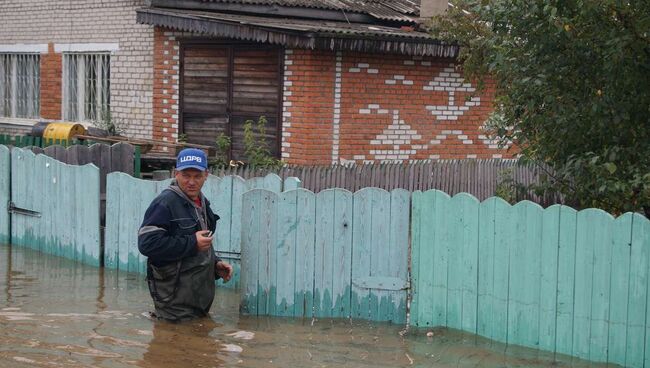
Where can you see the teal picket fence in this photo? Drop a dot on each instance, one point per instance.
(55, 206)
(5, 182)
(331, 254)
(556, 279)
(128, 198)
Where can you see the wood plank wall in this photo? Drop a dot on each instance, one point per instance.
(556, 279)
(5, 182)
(66, 198)
(476, 177)
(128, 198)
(331, 254)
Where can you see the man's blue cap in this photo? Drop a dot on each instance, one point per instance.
(191, 158)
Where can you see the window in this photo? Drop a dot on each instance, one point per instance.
(20, 85)
(86, 87)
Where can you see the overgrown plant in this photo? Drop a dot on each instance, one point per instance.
(256, 149)
(108, 123)
(508, 188)
(572, 89)
(223, 148)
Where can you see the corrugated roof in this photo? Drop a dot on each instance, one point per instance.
(303, 33)
(397, 10)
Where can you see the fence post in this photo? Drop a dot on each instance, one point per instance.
(136, 162)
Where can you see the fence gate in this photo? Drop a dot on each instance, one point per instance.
(335, 254)
(54, 207)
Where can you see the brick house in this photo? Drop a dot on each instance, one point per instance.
(71, 60)
(338, 81)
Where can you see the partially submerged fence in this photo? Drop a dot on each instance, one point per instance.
(565, 281)
(556, 279)
(480, 178)
(569, 282)
(54, 206)
(331, 254)
(5, 182)
(128, 198)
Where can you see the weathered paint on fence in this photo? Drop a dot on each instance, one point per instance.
(5, 182)
(334, 254)
(66, 199)
(564, 281)
(128, 198)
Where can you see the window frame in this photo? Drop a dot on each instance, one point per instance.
(102, 100)
(31, 107)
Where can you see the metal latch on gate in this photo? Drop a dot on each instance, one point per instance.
(228, 255)
(381, 283)
(22, 211)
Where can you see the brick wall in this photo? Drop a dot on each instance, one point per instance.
(308, 106)
(165, 86)
(87, 22)
(347, 106)
(51, 64)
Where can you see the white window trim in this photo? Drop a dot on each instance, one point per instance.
(81, 71)
(14, 88)
(86, 47)
(19, 48)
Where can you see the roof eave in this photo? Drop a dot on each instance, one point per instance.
(298, 39)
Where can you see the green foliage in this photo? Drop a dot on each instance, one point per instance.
(223, 150)
(108, 123)
(256, 149)
(182, 138)
(572, 82)
(508, 188)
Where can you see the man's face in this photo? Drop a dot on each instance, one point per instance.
(191, 181)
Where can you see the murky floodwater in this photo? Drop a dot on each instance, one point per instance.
(55, 313)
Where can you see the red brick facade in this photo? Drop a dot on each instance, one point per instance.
(345, 106)
(355, 107)
(51, 72)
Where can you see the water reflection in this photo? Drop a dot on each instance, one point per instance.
(56, 313)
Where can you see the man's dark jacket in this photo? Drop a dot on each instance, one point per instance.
(181, 279)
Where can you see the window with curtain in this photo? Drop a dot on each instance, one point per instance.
(20, 76)
(86, 87)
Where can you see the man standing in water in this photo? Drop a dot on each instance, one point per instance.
(176, 236)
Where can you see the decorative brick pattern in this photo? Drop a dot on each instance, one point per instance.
(166, 86)
(336, 120)
(386, 107)
(286, 103)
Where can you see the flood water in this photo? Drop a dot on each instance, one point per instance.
(55, 313)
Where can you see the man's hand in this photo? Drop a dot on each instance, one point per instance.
(223, 270)
(203, 241)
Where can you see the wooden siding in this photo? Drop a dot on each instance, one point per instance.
(479, 178)
(67, 199)
(335, 254)
(223, 86)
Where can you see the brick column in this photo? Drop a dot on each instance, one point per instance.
(165, 88)
(51, 79)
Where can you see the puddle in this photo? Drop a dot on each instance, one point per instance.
(55, 313)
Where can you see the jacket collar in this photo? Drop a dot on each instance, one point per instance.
(173, 186)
